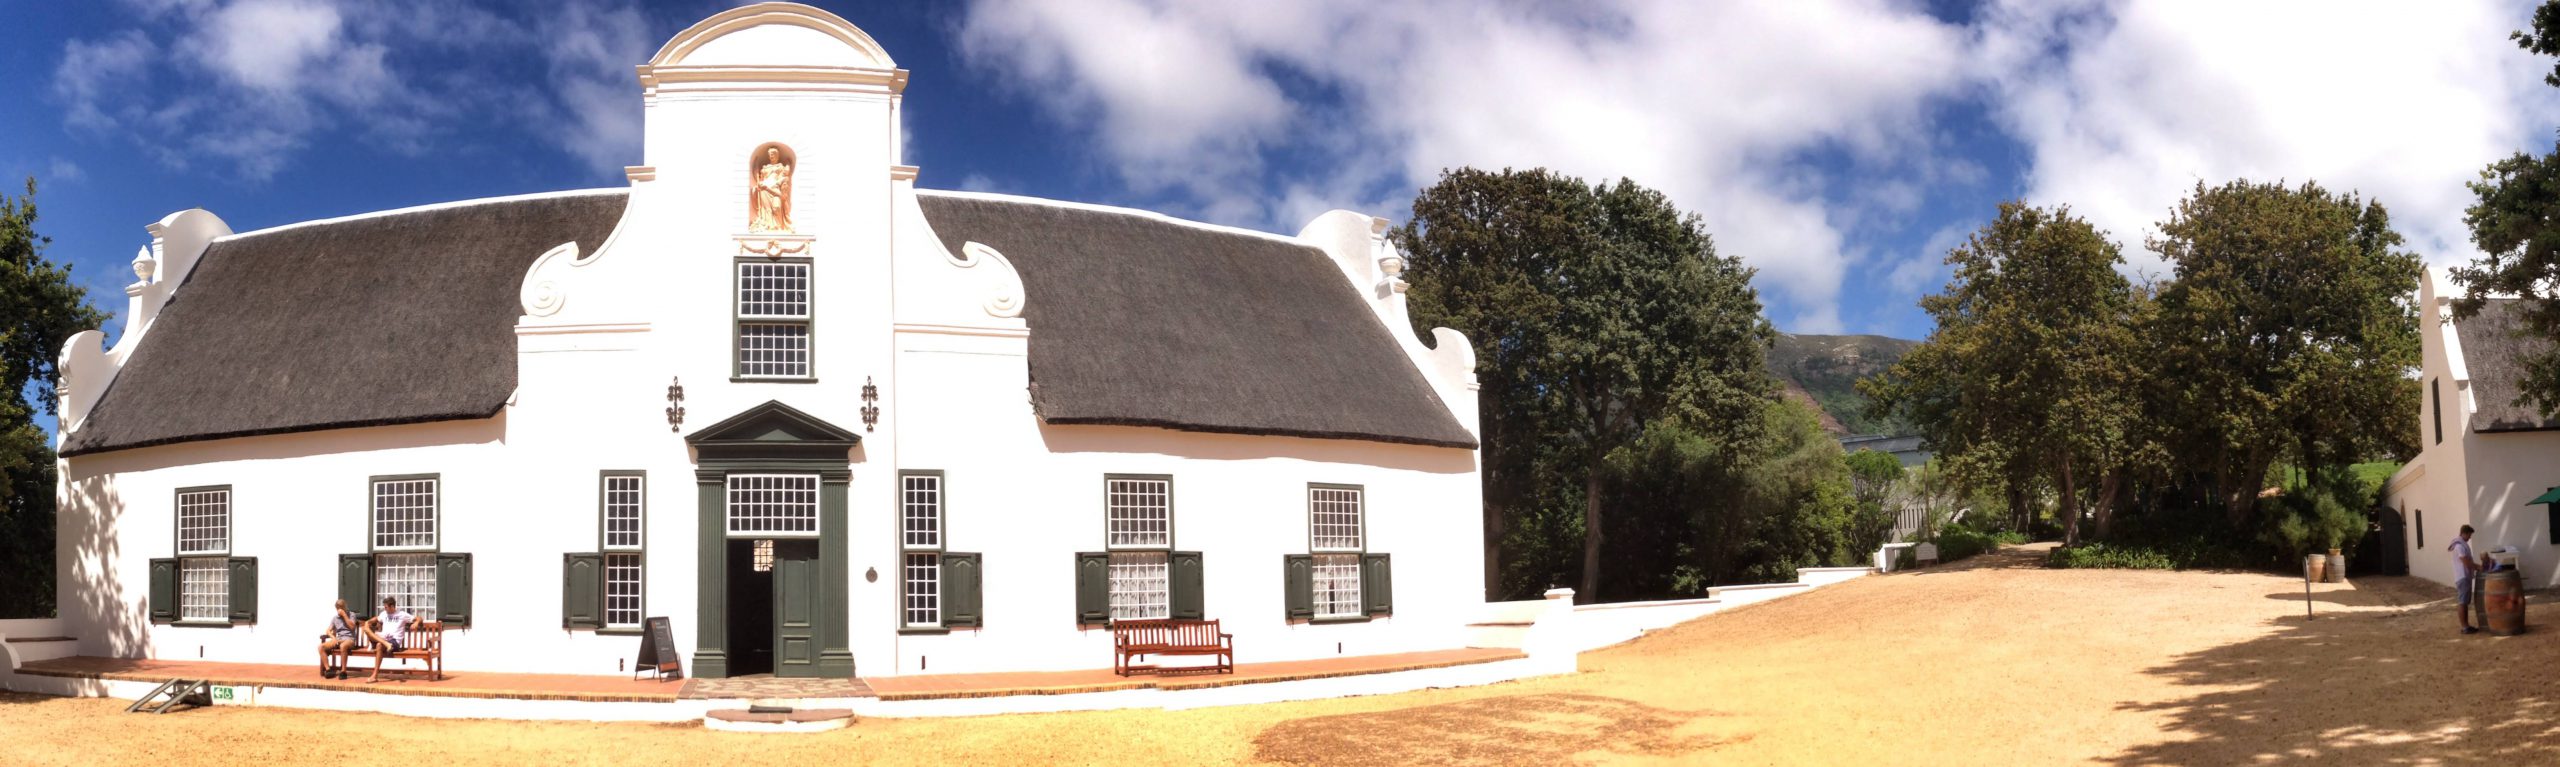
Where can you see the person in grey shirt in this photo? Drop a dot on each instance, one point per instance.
(340, 638)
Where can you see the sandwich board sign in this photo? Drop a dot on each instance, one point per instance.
(658, 650)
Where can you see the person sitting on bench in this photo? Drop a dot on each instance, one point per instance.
(340, 638)
(386, 631)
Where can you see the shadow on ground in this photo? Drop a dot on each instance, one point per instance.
(1518, 729)
(2362, 688)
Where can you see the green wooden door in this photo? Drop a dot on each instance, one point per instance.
(795, 615)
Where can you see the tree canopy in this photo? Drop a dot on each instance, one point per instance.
(2515, 221)
(39, 308)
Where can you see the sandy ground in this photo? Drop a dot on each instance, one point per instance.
(1992, 661)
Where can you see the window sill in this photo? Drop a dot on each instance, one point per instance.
(749, 379)
(201, 623)
(621, 631)
(923, 630)
(1339, 619)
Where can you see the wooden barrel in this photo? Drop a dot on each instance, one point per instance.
(2314, 567)
(2502, 600)
(2336, 570)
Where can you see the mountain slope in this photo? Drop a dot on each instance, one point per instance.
(1826, 369)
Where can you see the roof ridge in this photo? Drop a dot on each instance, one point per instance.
(426, 208)
(1100, 208)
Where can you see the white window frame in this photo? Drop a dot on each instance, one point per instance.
(1141, 584)
(625, 590)
(414, 573)
(804, 320)
(1130, 523)
(204, 590)
(210, 509)
(624, 496)
(769, 497)
(923, 534)
(921, 572)
(1336, 555)
(432, 523)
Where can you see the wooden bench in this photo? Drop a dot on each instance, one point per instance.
(1138, 639)
(424, 642)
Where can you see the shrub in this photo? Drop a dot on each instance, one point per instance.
(2113, 557)
(1958, 542)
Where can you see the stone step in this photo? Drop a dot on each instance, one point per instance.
(795, 720)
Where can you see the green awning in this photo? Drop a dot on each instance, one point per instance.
(2548, 496)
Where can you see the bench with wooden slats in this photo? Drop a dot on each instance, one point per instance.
(1141, 638)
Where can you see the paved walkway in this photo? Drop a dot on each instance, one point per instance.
(469, 684)
(485, 684)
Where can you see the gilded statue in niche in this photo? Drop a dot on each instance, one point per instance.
(769, 188)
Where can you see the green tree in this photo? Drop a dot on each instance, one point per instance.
(1873, 476)
(2285, 334)
(2026, 381)
(2515, 221)
(39, 308)
(1598, 310)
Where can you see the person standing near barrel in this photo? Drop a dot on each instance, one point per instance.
(2465, 579)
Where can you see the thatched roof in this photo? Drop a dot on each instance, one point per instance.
(404, 317)
(1144, 321)
(2495, 346)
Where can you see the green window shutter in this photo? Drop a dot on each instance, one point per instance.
(244, 589)
(453, 590)
(355, 582)
(1186, 586)
(1298, 580)
(582, 591)
(1093, 587)
(1377, 585)
(959, 589)
(164, 589)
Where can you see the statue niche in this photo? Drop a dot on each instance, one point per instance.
(769, 171)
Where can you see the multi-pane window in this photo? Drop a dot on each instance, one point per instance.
(924, 589)
(1334, 537)
(1141, 585)
(624, 498)
(921, 497)
(410, 578)
(625, 501)
(204, 589)
(762, 557)
(204, 536)
(404, 514)
(621, 590)
(1141, 513)
(774, 504)
(204, 521)
(773, 319)
(920, 536)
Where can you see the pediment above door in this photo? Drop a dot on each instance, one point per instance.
(773, 431)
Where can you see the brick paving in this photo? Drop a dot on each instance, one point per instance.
(484, 684)
(767, 686)
(468, 684)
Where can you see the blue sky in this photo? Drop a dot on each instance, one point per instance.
(1839, 146)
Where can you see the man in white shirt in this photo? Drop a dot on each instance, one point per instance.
(2466, 575)
(394, 629)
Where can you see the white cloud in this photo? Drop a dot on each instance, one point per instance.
(2125, 107)
(59, 170)
(249, 84)
(1712, 103)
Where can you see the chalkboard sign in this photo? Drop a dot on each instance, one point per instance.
(658, 650)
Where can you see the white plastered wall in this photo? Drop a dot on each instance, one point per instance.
(608, 329)
(2468, 477)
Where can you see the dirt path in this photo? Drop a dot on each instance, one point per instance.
(1992, 661)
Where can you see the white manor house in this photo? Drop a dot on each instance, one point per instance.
(825, 422)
